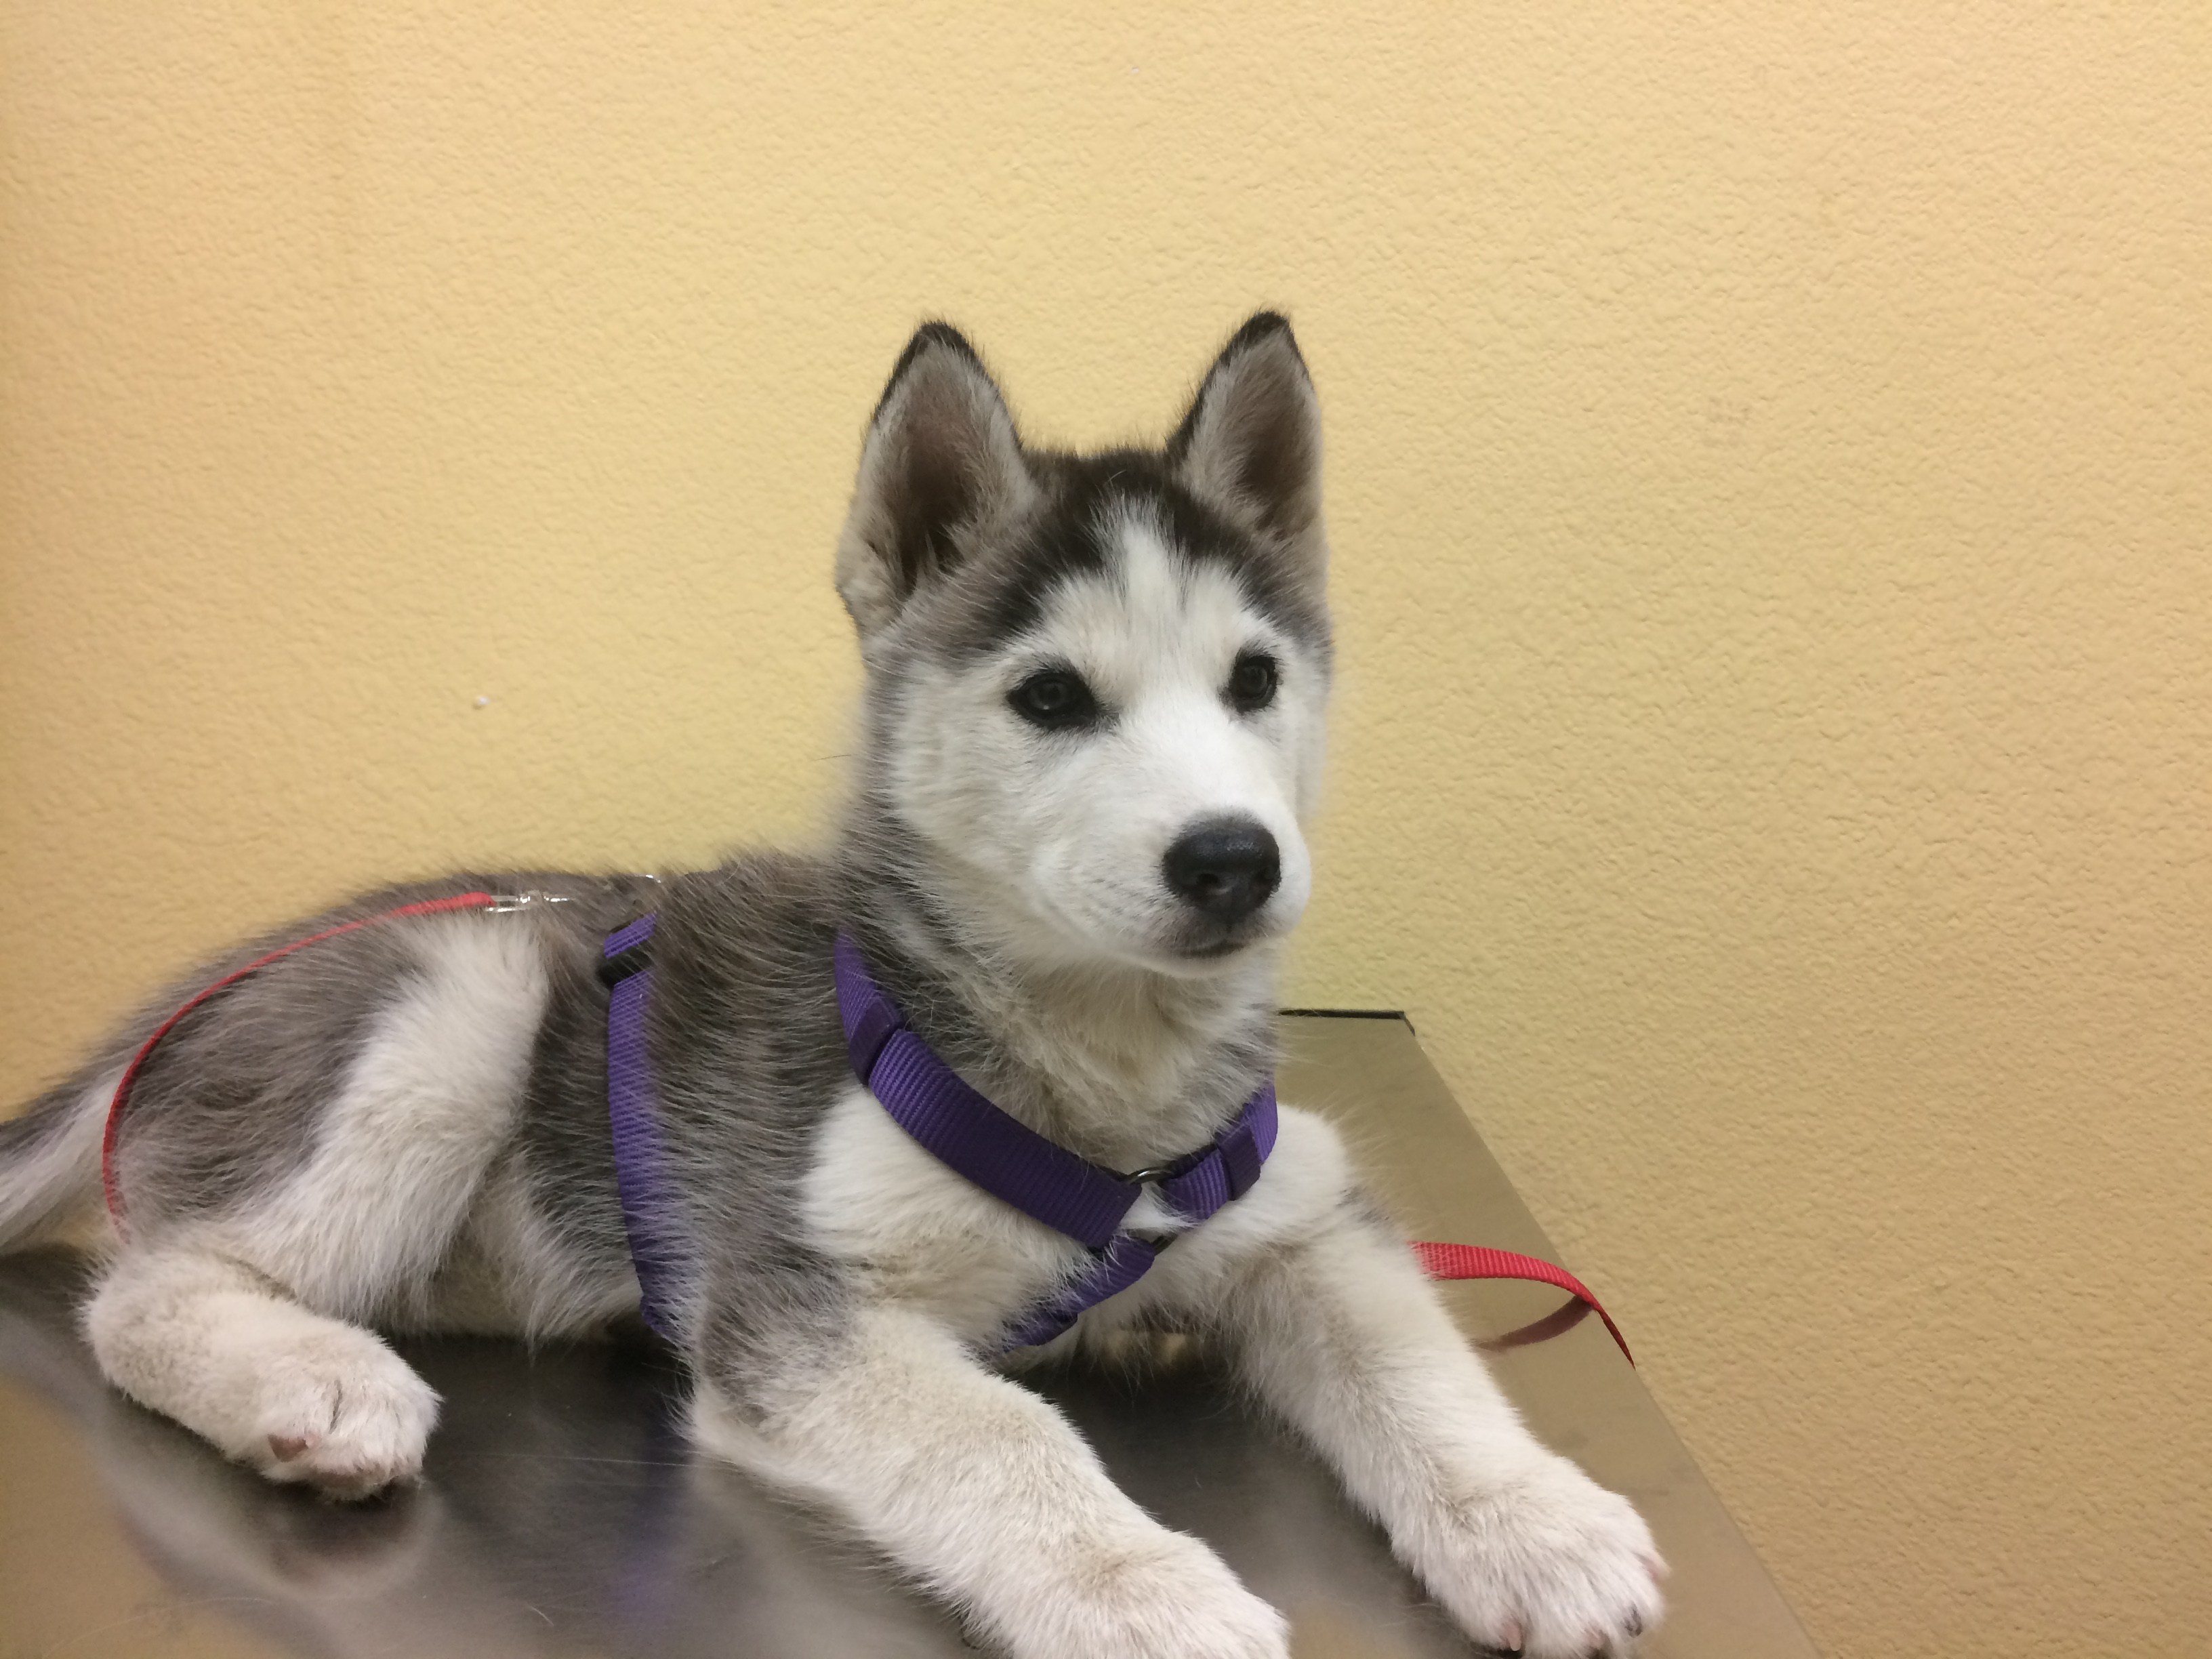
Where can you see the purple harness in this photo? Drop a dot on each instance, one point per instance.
(928, 1099)
(640, 1163)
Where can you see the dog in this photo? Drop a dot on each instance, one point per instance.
(1091, 734)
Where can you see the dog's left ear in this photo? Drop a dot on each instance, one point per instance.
(1251, 443)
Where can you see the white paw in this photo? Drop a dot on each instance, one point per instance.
(341, 1412)
(1546, 1563)
(1161, 1595)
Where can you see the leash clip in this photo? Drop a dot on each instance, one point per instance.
(506, 904)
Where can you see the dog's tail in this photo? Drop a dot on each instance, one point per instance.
(49, 1160)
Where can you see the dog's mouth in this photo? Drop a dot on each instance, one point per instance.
(1204, 944)
(1220, 947)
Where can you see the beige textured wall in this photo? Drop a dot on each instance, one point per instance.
(1772, 485)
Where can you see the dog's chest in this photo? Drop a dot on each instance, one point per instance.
(911, 1230)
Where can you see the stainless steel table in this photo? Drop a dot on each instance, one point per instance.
(562, 1515)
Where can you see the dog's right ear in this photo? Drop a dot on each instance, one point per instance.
(942, 461)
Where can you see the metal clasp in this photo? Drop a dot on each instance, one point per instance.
(508, 903)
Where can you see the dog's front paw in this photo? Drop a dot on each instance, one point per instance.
(1546, 1563)
(1161, 1595)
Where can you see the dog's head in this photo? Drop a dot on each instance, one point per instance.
(1096, 682)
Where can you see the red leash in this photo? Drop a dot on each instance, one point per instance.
(1450, 1262)
(428, 908)
(1439, 1260)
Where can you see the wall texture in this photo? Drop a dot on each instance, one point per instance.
(1772, 487)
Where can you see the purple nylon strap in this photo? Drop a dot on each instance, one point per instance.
(640, 1161)
(928, 1099)
(1039, 1177)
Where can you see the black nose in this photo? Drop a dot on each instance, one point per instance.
(1225, 867)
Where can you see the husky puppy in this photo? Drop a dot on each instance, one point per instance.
(1093, 730)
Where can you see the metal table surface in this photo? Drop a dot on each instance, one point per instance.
(561, 1513)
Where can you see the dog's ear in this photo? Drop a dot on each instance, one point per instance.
(1251, 442)
(942, 460)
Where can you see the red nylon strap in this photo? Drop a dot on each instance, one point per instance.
(108, 1182)
(1479, 1261)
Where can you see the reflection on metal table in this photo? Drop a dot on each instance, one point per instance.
(562, 1513)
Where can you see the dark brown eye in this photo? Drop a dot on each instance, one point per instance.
(1054, 700)
(1252, 683)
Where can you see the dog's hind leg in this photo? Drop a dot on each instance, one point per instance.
(226, 1352)
(237, 1324)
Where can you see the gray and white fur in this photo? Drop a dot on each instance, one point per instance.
(1093, 732)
